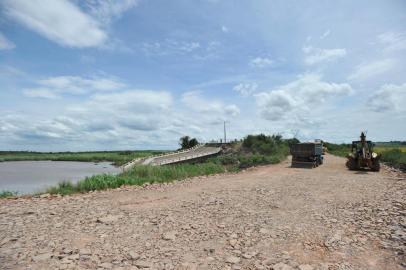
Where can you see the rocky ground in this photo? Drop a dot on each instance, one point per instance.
(272, 217)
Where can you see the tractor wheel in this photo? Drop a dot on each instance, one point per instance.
(376, 166)
(351, 164)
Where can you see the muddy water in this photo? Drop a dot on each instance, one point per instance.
(32, 176)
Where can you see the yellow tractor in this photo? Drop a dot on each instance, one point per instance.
(362, 156)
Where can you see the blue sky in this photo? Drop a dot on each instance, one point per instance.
(138, 74)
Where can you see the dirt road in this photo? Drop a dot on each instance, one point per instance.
(272, 217)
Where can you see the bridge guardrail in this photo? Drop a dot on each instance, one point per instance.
(130, 164)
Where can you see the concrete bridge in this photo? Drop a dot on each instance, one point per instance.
(198, 152)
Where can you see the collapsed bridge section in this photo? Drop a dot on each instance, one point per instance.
(195, 153)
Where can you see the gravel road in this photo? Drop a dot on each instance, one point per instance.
(271, 217)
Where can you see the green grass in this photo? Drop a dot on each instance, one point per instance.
(341, 150)
(116, 157)
(382, 148)
(395, 158)
(138, 175)
(6, 193)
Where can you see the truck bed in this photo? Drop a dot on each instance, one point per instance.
(305, 150)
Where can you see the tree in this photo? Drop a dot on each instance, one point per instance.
(186, 142)
(193, 142)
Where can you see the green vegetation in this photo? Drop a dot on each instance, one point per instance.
(116, 157)
(395, 158)
(186, 142)
(138, 175)
(383, 148)
(341, 150)
(256, 150)
(6, 193)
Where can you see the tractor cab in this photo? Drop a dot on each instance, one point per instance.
(358, 147)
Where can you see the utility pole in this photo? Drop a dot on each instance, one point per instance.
(225, 134)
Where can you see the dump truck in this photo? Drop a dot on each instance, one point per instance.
(362, 155)
(308, 154)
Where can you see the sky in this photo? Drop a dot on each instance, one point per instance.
(78, 75)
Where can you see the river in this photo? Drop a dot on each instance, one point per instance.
(33, 176)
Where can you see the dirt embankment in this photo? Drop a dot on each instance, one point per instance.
(273, 217)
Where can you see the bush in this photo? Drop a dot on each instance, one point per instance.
(186, 142)
(226, 160)
(262, 144)
(261, 149)
(6, 193)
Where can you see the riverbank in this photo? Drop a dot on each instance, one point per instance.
(118, 158)
(254, 150)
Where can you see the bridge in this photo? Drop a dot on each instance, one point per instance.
(198, 152)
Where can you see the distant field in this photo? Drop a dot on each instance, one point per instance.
(116, 157)
(381, 148)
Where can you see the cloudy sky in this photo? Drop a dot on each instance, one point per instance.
(138, 74)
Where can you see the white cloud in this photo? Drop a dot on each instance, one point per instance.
(393, 40)
(224, 29)
(367, 70)
(245, 89)
(261, 62)
(187, 47)
(196, 102)
(317, 55)
(107, 10)
(232, 110)
(5, 44)
(6, 70)
(325, 34)
(298, 97)
(40, 93)
(125, 118)
(135, 100)
(58, 20)
(171, 46)
(74, 85)
(389, 97)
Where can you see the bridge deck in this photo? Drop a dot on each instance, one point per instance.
(175, 157)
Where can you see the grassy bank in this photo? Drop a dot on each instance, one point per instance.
(253, 150)
(116, 157)
(138, 175)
